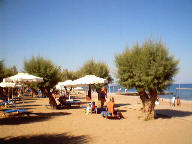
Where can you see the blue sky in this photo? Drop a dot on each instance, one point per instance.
(70, 32)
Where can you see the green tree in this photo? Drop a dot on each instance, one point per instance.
(149, 68)
(50, 73)
(10, 71)
(6, 71)
(69, 75)
(98, 69)
(1, 70)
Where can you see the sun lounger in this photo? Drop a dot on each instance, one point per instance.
(41, 96)
(17, 99)
(8, 103)
(74, 102)
(106, 114)
(16, 112)
(99, 110)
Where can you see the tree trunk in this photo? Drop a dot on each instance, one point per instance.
(8, 95)
(66, 92)
(144, 97)
(1, 91)
(151, 105)
(148, 103)
(99, 94)
(52, 100)
(99, 97)
(149, 113)
(89, 93)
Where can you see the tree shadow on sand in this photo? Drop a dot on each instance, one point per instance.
(34, 117)
(21, 102)
(119, 105)
(29, 105)
(27, 102)
(85, 103)
(46, 139)
(122, 110)
(26, 98)
(168, 113)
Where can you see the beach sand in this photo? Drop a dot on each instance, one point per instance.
(174, 124)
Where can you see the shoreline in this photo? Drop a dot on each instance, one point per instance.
(184, 100)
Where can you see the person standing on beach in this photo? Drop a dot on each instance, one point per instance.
(178, 101)
(103, 96)
(173, 100)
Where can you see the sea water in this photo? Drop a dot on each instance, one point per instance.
(185, 94)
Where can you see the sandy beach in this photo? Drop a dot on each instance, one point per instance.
(173, 124)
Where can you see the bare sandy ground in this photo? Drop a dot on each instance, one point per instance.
(48, 126)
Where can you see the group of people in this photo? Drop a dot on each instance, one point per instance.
(62, 99)
(110, 106)
(175, 101)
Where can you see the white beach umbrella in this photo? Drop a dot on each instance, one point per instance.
(9, 85)
(58, 86)
(67, 83)
(78, 88)
(24, 78)
(88, 80)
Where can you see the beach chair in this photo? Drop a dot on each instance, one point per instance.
(99, 110)
(108, 115)
(74, 102)
(8, 104)
(16, 112)
(41, 96)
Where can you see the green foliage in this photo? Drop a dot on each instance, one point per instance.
(98, 69)
(5, 71)
(10, 71)
(1, 70)
(41, 67)
(146, 66)
(69, 75)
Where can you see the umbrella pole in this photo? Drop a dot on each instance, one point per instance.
(8, 93)
(12, 93)
(89, 93)
(60, 90)
(23, 97)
